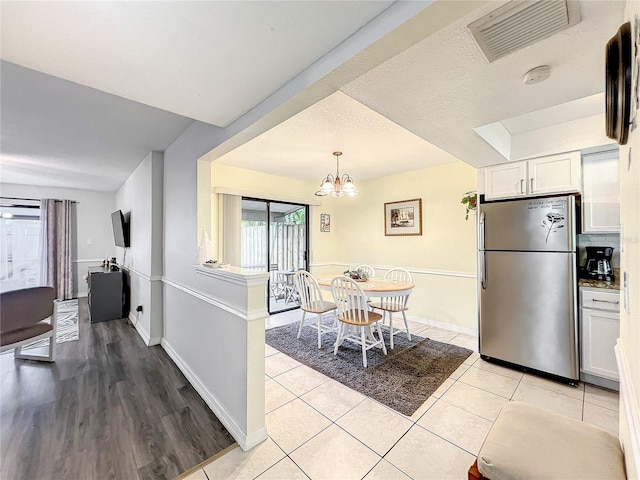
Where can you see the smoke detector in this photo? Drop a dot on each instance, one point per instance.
(519, 24)
(537, 75)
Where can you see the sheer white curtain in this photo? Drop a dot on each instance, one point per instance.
(230, 228)
(55, 246)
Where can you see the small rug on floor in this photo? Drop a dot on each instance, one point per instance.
(403, 379)
(67, 325)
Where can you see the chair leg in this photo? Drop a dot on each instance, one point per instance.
(391, 332)
(406, 325)
(301, 323)
(50, 357)
(319, 330)
(339, 338)
(384, 348)
(364, 347)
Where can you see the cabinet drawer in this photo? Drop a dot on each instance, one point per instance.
(601, 300)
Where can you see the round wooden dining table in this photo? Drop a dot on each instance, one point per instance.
(372, 288)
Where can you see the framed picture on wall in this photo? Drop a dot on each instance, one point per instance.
(403, 218)
(325, 222)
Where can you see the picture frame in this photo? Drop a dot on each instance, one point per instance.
(325, 222)
(403, 218)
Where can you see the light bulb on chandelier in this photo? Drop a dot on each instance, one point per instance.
(337, 186)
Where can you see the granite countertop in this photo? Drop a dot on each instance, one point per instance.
(615, 285)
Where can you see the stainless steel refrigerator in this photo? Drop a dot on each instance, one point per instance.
(527, 284)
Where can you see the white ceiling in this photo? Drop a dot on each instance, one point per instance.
(211, 61)
(214, 61)
(443, 87)
(372, 146)
(60, 134)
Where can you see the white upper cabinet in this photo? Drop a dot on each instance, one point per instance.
(539, 176)
(503, 181)
(554, 174)
(600, 193)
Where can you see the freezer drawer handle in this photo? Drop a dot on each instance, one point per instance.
(617, 302)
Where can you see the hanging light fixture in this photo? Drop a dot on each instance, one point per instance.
(337, 186)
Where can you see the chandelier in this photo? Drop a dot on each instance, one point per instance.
(337, 186)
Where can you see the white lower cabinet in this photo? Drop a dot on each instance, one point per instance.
(600, 329)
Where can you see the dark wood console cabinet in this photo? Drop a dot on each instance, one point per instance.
(107, 294)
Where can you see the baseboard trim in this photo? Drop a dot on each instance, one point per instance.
(146, 338)
(631, 413)
(245, 441)
(444, 326)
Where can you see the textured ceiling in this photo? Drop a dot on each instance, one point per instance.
(442, 87)
(302, 146)
(211, 61)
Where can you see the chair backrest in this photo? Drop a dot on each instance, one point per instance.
(397, 301)
(350, 300)
(398, 275)
(308, 289)
(21, 308)
(371, 273)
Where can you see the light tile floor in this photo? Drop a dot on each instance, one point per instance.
(320, 429)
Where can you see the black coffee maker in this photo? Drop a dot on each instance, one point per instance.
(598, 265)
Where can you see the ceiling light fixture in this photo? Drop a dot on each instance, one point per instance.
(337, 186)
(6, 215)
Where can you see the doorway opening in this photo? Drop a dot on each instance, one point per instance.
(275, 240)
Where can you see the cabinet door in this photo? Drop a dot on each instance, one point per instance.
(600, 331)
(600, 193)
(505, 181)
(554, 174)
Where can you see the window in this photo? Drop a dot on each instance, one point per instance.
(19, 247)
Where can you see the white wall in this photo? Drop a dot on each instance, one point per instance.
(213, 329)
(140, 199)
(442, 260)
(630, 266)
(91, 224)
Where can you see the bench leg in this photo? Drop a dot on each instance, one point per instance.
(474, 473)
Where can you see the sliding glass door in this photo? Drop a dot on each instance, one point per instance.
(274, 239)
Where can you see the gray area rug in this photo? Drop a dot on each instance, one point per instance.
(403, 379)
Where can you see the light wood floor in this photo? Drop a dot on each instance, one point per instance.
(109, 407)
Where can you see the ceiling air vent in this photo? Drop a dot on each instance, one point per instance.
(519, 24)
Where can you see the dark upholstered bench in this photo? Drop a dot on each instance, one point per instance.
(22, 321)
(527, 442)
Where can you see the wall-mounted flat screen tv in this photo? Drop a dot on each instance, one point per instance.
(120, 229)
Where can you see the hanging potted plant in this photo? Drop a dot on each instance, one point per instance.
(470, 201)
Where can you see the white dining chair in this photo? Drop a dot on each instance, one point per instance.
(370, 271)
(393, 304)
(311, 301)
(354, 314)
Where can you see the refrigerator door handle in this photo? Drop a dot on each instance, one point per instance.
(483, 269)
(481, 228)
